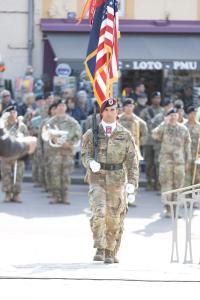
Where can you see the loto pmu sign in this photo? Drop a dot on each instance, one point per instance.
(160, 65)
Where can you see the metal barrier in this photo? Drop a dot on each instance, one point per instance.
(186, 198)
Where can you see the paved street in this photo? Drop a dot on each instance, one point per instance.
(44, 242)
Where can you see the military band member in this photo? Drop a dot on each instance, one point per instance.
(61, 158)
(13, 170)
(175, 154)
(194, 130)
(114, 173)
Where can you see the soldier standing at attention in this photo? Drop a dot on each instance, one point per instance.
(194, 130)
(175, 154)
(13, 170)
(135, 125)
(110, 176)
(149, 154)
(61, 159)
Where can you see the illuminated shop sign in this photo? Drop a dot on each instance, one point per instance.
(160, 65)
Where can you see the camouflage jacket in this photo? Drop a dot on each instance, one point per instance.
(136, 126)
(195, 135)
(175, 143)
(148, 114)
(118, 148)
(18, 129)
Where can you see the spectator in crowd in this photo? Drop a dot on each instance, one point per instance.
(83, 101)
(138, 90)
(187, 97)
(74, 110)
(6, 100)
(28, 104)
(141, 103)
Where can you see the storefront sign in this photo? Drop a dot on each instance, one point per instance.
(63, 70)
(159, 65)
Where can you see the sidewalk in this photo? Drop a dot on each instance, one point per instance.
(46, 252)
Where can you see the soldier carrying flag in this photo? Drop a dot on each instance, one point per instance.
(112, 161)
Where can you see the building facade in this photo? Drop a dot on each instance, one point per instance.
(159, 42)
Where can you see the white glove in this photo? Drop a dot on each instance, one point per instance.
(95, 166)
(130, 189)
(131, 198)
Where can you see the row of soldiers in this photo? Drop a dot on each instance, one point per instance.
(53, 159)
(50, 162)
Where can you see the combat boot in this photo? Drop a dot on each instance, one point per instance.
(109, 258)
(55, 199)
(99, 256)
(65, 200)
(8, 197)
(16, 198)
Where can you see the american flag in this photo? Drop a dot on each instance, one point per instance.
(102, 57)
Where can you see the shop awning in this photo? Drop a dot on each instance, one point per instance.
(69, 46)
(133, 47)
(160, 47)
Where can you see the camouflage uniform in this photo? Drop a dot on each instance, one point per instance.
(107, 187)
(194, 134)
(37, 158)
(136, 126)
(17, 129)
(175, 153)
(61, 161)
(157, 120)
(149, 154)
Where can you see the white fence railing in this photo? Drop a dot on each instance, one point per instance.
(185, 197)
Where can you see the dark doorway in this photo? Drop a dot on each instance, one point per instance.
(152, 80)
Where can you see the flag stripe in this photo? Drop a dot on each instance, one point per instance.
(103, 66)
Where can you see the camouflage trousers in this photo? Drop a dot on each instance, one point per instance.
(35, 167)
(150, 167)
(171, 176)
(108, 207)
(60, 169)
(7, 170)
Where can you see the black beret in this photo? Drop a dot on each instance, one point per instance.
(10, 108)
(61, 101)
(191, 109)
(108, 103)
(171, 111)
(128, 101)
(155, 94)
(167, 101)
(50, 107)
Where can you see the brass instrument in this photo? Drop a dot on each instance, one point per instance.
(56, 137)
(196, 162)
